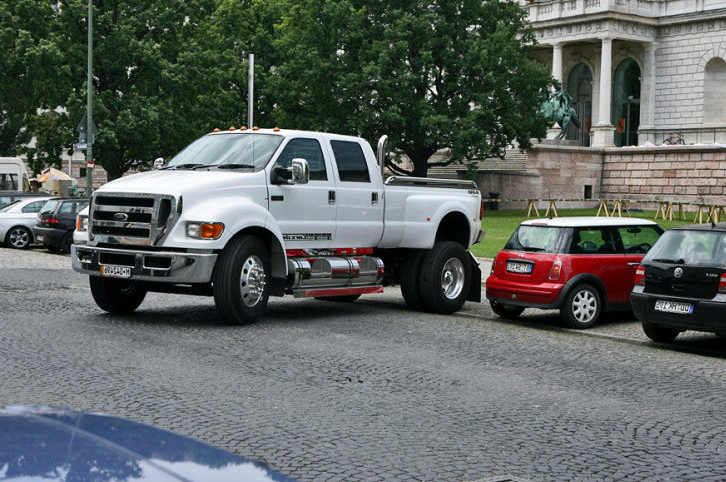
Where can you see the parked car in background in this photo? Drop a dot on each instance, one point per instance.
(17, 220)
(582, 266)
(56, 222)
(57, 444)
(8, 197)
(80, 235)
(681, 284)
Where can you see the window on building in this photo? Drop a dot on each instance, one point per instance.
(626, 100)
(714, 87)
(579, 86)
(82, 172)
(588, 191)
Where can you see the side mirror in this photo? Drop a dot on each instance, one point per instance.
(158, 163)
(300, 171)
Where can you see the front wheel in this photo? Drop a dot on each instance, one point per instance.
(659, 333)
(117, 296)
(582, 307)
(445, 277)
(508, 312)
(19, 237)
(241, 287)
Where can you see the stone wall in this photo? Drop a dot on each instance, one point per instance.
(677, 173)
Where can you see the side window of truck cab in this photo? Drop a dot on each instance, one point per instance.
(308, 149)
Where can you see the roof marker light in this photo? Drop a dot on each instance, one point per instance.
(233, 128)
(276, 129)
(216, 129)
(243, 128)
(255, 128)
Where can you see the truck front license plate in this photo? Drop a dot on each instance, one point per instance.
(116, 271)
(674, 307)
(524, 268)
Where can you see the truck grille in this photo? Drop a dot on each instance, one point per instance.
(132, 219)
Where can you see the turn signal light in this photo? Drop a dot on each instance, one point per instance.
(211, 231)
(556, 270)
(640, 277)
(722, 284)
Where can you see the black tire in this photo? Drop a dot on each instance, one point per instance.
(508, 312)
(659, 333)
(340, 299)
(52, 249)
(18, 237)
(66, 243)
(240, 279)
(445, 277)
(117, 296)
(582, 308)
(410, 274)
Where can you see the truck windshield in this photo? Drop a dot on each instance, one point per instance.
(683, 246)
(251, 151)
(535, 239)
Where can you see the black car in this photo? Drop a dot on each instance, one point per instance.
(56, 222)
(681, 283)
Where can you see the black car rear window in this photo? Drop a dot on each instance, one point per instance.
(535, 239)
(692, 247)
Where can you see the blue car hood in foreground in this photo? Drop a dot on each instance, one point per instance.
(55, 444)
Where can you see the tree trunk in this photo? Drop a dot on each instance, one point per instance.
(114, 172)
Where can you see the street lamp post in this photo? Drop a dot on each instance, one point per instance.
(89, 104)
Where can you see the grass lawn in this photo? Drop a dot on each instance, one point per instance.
(501, 224)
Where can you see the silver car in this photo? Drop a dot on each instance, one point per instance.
(17, 221)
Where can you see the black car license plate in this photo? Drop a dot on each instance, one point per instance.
(674, 307)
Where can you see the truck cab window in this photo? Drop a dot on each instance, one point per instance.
(308, 149)
(350, 161)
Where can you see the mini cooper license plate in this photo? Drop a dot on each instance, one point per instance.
(525, 268)
(674, 307)
(116, 271)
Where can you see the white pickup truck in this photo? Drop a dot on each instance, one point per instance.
(246, 214)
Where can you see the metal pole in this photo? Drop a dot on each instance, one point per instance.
(251, 91)
(89, 103)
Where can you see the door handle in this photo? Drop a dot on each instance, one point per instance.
(634, 263)
(374, 198)
(331, 197)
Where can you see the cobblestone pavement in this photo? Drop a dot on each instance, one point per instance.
(369, 390)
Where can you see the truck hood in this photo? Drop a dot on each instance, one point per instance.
(174, 182)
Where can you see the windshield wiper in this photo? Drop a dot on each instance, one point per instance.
(186, 166)
(235, 166)
(672, 261)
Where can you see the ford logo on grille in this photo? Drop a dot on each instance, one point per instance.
(121, 217)
(678, 272)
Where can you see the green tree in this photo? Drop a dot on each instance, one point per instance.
(430, 74)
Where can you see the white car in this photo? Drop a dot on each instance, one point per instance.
(80, 234)
(17, 221)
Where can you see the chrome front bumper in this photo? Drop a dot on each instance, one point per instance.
(166, 267)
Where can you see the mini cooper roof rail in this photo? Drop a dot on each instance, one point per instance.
(425, 181)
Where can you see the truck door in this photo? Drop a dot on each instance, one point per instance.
(359, 196)
(305, 212)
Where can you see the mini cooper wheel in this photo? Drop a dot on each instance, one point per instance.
(19, 237)
(582, 307)
(241, 280)
(445, 277)
(117, 296)
(508, 312)
(659, 333)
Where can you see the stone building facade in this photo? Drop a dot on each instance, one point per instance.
(639, 70)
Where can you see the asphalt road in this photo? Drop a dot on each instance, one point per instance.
(369, 390)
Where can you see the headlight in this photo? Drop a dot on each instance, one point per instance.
(199, 230)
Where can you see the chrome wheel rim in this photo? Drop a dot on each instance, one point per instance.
(452, 278)
(19, 238)
(252, 280)
(584, 306)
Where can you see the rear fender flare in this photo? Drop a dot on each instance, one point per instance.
(585, 278)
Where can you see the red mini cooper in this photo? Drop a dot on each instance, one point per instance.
(579, 265)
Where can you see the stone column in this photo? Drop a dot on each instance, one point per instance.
(647, 93)
(603, 130)
(557, 61)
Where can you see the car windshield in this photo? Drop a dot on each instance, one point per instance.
(48, 207)
(682, 246)
(250, 151)
(9, 206)
(535, 239)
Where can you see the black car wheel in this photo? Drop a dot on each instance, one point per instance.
(659, 333)
(508, 312)
(445, 277)
(66, 243)
(117, 296)
(19, 237)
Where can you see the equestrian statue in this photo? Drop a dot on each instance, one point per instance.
(558, 108)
